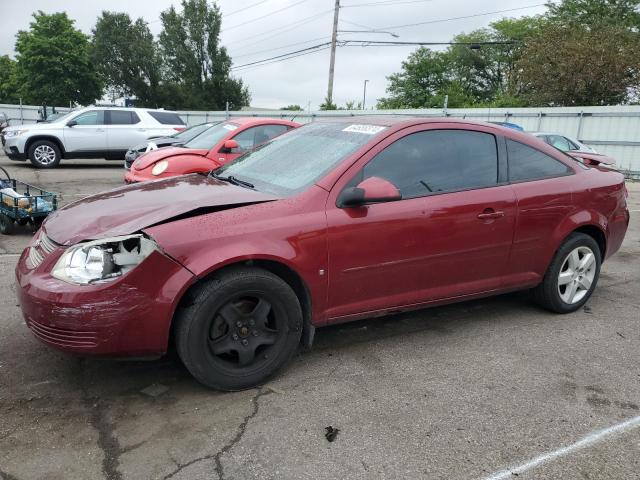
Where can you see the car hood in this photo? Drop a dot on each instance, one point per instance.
(129, 209)
(35, 126)
(149, 158)
(160, 141)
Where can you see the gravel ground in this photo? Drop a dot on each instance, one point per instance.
(457, 392)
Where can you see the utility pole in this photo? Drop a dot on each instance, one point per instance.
(332, 62)
(364, 95)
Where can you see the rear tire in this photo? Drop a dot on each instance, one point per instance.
(6, 224)
(44, 154)
(572, 275)
(241, 327)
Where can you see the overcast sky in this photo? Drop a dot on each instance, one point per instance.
(289, 25)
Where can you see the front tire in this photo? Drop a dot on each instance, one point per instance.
(572, 275)
(44, 154)
(241, 327)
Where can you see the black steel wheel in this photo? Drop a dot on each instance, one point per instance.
(241, 327)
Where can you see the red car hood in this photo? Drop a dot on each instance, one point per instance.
(593, 158)
(131, 208)
(149, 158)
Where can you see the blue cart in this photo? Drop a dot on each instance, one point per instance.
(22, 204)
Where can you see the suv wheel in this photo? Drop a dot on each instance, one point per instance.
(241, 327)
(572, 275)
(44, 154)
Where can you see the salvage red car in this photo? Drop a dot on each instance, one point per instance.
(332, 222)
(216, 146)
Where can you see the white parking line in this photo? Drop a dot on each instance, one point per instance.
(585, 442)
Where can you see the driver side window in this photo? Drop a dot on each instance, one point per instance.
(93, 117)
(436, 161)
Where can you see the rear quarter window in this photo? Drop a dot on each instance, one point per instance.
(528, 163)
(167, 118)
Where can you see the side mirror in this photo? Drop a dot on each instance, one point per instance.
(371, 190)
(229, 145)
(72, 123)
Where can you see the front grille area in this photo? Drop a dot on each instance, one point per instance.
(62, 337)
(40, 249)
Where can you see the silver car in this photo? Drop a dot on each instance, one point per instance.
(92, 132)
(563, 143)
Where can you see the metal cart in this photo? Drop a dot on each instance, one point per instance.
(22, 204)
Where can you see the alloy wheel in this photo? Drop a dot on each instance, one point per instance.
(44, 154)
(577, 274)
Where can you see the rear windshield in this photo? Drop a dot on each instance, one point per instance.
(294, 161)
(210, 137)
(167, 118)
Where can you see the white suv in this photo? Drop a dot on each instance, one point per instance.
(92, 132)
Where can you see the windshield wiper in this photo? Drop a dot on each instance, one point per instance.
(233, 180)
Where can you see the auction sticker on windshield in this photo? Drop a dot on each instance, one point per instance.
(367, 129)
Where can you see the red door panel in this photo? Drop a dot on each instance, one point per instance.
(541, 207)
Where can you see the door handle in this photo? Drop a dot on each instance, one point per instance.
(490, 214)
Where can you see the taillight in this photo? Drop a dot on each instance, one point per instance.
(179, 129)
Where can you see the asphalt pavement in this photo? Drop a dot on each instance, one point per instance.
(488, 389)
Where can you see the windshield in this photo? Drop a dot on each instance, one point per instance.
(292, 162)
(61, 118)
(192, 132)
(210, 137)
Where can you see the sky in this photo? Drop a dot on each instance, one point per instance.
(254, 30)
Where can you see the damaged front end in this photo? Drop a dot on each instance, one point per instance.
(102, 260)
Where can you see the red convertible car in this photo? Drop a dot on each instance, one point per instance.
(216, 146)
(334, 221)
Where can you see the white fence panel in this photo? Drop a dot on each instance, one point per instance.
(613, 130)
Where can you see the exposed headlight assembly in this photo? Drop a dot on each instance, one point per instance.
(14, 133)
(102, 260)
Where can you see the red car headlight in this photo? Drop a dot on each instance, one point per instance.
(102, 260)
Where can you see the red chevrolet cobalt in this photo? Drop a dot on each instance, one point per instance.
(331, 222)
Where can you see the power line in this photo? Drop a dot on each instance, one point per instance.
(460, 18)
(279, 48)
(362, 43)
(245, 8)
(386, 3)
(248, 69)
(314, 47)
(280, 31)
(264, 16)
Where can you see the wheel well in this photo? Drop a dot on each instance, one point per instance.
(53, 139)
(287, 274)
(597, 234)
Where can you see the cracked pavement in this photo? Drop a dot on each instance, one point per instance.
(455, 392)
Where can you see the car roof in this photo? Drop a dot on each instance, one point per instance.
(245, 121)
(398, 122)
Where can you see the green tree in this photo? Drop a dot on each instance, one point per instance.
(293, 108)
(197, 67)
(54, 63)
(426, 78)
(328, 105)
(622, 13)
(580, 65)
(9, 92)
(127, 58)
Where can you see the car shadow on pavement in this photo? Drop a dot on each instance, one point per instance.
(114, 378)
